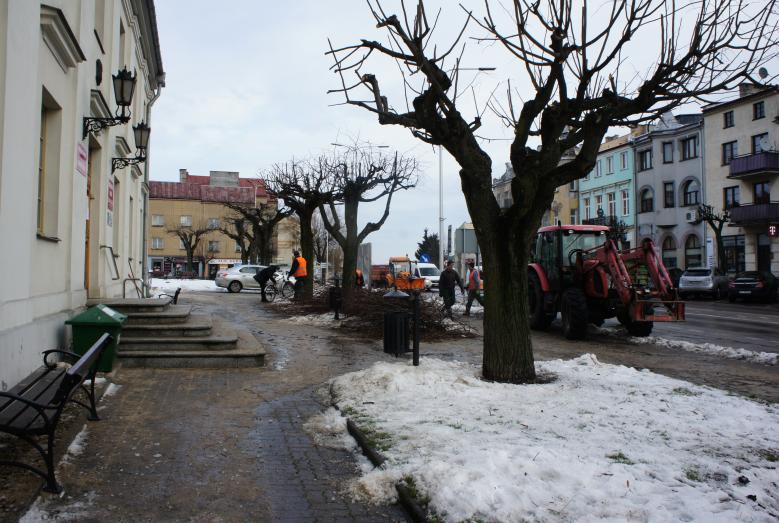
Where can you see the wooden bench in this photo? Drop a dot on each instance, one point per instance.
(175, 296)
(33, 408)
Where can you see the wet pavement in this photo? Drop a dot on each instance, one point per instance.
(229, 445)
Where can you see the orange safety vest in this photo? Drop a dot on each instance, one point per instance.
(472, 281)
(301, 271)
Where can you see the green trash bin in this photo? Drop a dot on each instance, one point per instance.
(93, 323)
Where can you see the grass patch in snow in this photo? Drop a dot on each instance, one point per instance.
(619, 457)
(684, 391)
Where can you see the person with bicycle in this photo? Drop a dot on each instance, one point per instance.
(263, 277)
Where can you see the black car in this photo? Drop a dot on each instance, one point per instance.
(753, 285)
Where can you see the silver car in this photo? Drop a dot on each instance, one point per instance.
(702, 280)
(238, 278)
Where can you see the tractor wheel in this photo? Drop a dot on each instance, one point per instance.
(574, 314)
(640, 329)
(539, 320)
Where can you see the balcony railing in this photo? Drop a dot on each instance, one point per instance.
(765, 162)
(609, 221)
(755, 213)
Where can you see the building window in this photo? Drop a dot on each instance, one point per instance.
(610, 165)
(690, 147)
(48, 167)
(157, 220)
(157, 243)
(625, 202)
(597, 168)
(727, 118)
(734, 253)
(213, 223)
(623, 159)
(185, 220)
(612, 199)
(573, 217)
(586, 208)
(668, 152)
(237, 247)
(668, 194)
(572, 186)
(693, 256)
(645, 160)
(759, 142)
(598, 204)
(758, 110)
(669, 252)
(647, 200)
(729, 150)
(731, 197)
(181, 244)
(762, 193)
(691, 190)
(213, 246)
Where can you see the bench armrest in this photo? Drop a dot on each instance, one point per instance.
(46, 353)
(37, 406)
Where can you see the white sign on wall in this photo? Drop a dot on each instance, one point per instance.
(709, 253)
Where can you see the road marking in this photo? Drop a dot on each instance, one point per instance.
(747, 318)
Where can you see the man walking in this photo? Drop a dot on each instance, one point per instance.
(298, 270)
(474, 286)
(446, 283)
(263, 277)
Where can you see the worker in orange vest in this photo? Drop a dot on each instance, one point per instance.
(474, 286)
(299, 271)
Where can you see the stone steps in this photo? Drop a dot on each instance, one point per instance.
(132, 305)
(197, 326)
(173, 314)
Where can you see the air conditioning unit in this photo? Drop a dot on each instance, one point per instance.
(691, 216)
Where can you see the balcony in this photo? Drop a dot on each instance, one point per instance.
(755, 214)
(759, 164)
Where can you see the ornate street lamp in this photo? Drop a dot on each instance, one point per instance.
(141, 133)
(124, 87)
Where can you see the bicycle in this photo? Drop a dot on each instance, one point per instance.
(279, 285)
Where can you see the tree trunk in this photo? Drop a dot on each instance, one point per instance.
(349, 267)
(307, 248)
(721, 256)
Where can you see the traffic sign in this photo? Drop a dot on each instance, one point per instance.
(424, 258)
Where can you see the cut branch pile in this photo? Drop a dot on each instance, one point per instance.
(364, 314)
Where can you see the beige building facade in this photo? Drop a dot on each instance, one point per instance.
(198, 202)
(741, 174)
(73, 227)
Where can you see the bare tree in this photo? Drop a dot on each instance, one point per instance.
(575, 67)
(321, 238)
(236, 229)
(259, 223)
(715, 220)
(302, 185)
(190, 237)
(361, 174)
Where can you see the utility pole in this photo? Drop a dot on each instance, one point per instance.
(440, 209)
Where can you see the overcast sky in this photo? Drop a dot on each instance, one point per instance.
(246, 88)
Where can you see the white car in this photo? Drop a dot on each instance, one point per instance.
(238, 278)
(429, 272)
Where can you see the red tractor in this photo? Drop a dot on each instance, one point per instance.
(578, 271)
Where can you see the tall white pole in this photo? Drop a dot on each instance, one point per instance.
(440, 209)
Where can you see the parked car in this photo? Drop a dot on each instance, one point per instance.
(702, 280)
(238, 278)
(429, 272)
(753, 284)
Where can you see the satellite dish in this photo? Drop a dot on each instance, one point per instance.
(763, 73)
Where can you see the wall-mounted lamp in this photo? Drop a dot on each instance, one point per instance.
(141, 133)
(124, 86)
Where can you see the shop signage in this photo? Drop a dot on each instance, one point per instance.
(81, 159)
(773, 230)
(110, 194)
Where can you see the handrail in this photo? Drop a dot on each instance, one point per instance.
(132, 275)
(135, 282)
(113, 258)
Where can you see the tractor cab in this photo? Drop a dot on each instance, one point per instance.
(556, 249)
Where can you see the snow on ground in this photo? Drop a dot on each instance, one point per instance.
(600, 442)
(326, 319)
(767, 358)
(169, 286)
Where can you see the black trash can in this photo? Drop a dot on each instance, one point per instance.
(396, 332)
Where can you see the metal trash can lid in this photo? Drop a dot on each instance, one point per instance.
(98, 315)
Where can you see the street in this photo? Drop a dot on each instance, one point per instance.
(751, 326)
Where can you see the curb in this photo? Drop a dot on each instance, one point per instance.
(407, 500)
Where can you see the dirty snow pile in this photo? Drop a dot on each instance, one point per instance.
(169, 286)
(599, 442)
(766, 358)
(326, 319)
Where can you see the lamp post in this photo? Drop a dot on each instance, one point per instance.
(141, 133)
(440, 209)
(124, 87)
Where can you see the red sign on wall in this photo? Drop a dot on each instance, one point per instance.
(110, 194)
(81, 159)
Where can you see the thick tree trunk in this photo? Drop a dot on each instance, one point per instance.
(307, 249)
(349, 268)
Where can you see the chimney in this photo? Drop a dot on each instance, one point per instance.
(747, 88)
(183, 175)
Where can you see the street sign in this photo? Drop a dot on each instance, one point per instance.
(424, 258)
(773, 230)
